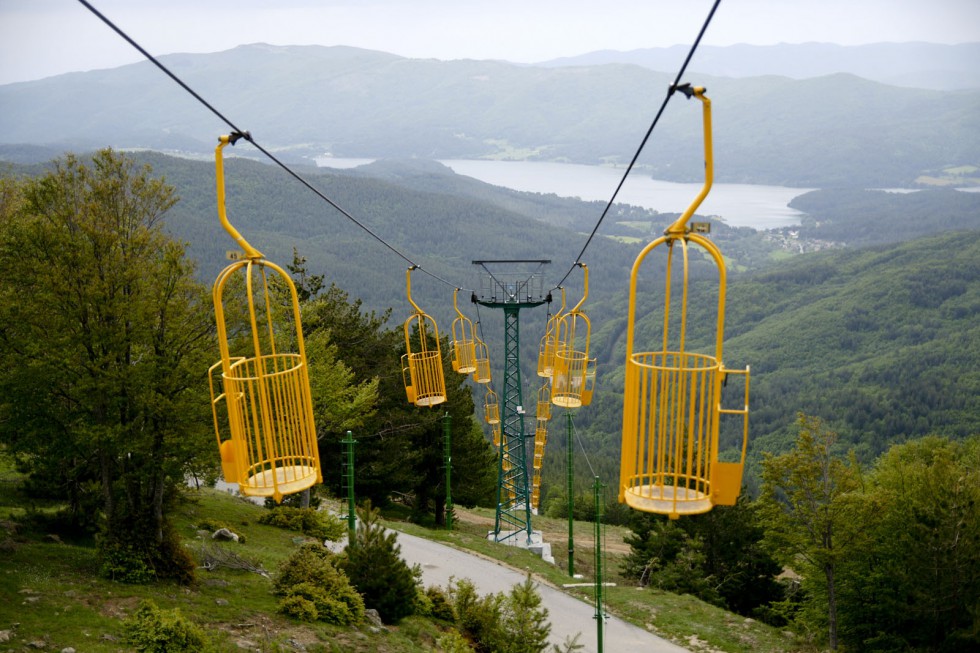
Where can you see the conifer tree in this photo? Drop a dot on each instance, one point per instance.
(376, 569)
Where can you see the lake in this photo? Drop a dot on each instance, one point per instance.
(739, 205)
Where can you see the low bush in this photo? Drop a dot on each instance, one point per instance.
(152, 630)
(308, 521)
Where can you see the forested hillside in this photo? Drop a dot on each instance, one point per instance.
(871, 342)
(881, 341)
(832, 130)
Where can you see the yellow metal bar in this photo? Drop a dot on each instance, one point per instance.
(408, 289)
(585, 294)
(219, 166)
(680, 225)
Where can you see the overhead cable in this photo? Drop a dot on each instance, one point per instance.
(670, 92)
(240, 133)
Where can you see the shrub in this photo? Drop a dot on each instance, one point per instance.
(453, 642)
(124, 563)
(142, 560)
(314, 589)
(298, 607)
(441, 608)
(320, 525)
(498, 623)
(152, 630)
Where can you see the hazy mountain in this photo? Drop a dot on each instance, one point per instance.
(916, 65)
(300, 101)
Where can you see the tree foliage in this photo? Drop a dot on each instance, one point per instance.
(914, 581)
(516, 622)
(808, 506)
(375, 567)
(104, 335)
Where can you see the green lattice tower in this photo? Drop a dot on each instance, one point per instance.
(511, 292)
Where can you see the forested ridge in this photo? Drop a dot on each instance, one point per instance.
(877, 335)
(865, 357)
(818, 132)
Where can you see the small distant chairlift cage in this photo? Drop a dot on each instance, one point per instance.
(481, 362)
(425, 384)
(573, 375)
(271, 450)
(464, 341)
(543, 410)
(546, 351)
(491, 408)
(672, 398)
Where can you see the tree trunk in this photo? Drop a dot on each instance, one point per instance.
(831, 604)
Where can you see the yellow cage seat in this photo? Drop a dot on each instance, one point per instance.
(260, 392)
(573, 330)
(464, 342)
(543, 410)
(272, 449)
(672, 396)
(491, 408)
(546, 355)
(568, 383)
(546, 350)
(482, 359)
(536, 490)
(495, 431)
(422, 374)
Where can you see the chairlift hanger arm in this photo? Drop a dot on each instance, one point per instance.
(250, 252)
(679, 227)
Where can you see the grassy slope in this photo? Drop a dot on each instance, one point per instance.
(52, 596)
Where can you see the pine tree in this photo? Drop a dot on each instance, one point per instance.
(376, 569)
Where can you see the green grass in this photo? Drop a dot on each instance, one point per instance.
(50, 592)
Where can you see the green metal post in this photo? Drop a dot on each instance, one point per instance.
(447, 421)
(570, 473)
(349, 443)
(599, 613)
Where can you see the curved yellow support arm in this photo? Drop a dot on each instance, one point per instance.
(455, 305)
(585, 270)
(408, 289)
(679, 227)
(219, 168)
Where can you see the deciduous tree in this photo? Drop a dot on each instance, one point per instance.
(807, 507)
(104, 334)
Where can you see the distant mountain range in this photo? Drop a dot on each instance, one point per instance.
(915, 65)
(305, 101)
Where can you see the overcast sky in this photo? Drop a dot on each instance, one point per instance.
(40, 38)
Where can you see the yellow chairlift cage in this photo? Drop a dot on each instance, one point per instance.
(536, 490)
(572, 334)
(481, 357)
(491, 408)
(540, 440)
(543, 411)
(464, 341)
(672, 397)
(495, 429)
(546, 351)
(425, 384)
(271, 448)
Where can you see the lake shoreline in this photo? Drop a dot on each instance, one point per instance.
(738, 205)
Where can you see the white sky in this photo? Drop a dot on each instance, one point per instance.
(40, 38)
